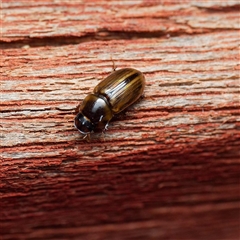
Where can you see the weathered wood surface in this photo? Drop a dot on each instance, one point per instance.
(166, 169)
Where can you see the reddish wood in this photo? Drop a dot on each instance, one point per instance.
(168, 168)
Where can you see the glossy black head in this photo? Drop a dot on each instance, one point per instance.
(83, 124)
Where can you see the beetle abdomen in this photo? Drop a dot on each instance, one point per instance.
(121, 88)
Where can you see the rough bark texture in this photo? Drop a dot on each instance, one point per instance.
(168, 168)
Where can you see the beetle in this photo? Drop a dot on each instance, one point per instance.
(111, 96)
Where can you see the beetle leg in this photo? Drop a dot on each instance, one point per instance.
(87, 136)
(114, 66)
(106, 127)
(76, 110)
(103, 132)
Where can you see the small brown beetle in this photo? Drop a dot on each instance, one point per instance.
(111, 96)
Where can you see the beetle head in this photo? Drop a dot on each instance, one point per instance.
(83, 124)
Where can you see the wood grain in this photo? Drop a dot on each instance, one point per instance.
(168, 168)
